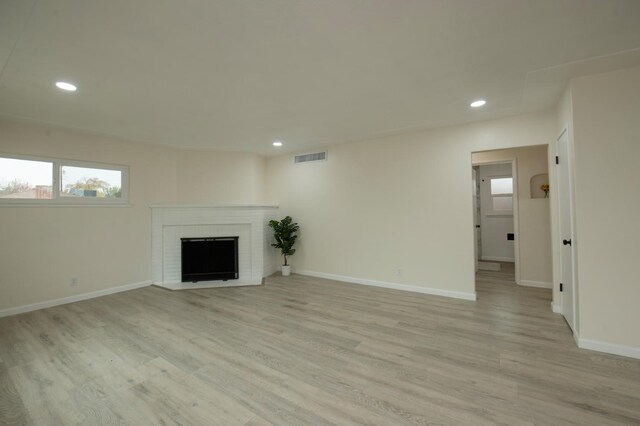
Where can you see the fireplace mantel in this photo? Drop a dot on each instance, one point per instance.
(212, 206)
(169, 223)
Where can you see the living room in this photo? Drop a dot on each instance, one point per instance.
(187, 103)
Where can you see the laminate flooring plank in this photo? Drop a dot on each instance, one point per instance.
(258, 421)
(291, 388)
(96, 403)
(45, 398)
(326, 375)
(186, 399)
(12, 409)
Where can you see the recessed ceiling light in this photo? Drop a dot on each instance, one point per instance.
(277, 143)
(66, 86)
(478, 103)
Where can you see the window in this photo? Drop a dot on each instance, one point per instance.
(31, 180)
(90, 182)
(25, 179)
(502, 195)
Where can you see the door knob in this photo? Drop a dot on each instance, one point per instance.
(566, 242)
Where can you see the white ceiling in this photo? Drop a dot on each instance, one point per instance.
(236, 75)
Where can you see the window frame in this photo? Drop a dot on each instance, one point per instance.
(56, 199)
(492, 195)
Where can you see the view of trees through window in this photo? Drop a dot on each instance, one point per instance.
(33, 179)
(25, 179)
(87, 182)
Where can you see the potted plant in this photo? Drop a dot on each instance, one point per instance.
(284, 232)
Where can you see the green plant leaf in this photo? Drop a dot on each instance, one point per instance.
(284, 233)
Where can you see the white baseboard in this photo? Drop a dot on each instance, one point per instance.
(539, 284)
(385, 284)
(610, 348)
(498, 259)
(557, 309)
(207, 284)
(70, 299)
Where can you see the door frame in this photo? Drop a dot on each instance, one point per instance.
(572, 226)
(516, 228)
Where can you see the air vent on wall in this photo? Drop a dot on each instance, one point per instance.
(316, 156)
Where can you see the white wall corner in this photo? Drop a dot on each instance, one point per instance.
(70, 299)
(576, 338)
(270, 253)
(538, 284)
(610, 348)
(386, 284)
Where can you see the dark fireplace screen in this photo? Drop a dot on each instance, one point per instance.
(208, 259)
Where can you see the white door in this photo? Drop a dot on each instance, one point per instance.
(474, 195)
(566, 248)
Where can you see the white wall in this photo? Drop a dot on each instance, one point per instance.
(606, 120)
(214, 177)
(494, 229)
(400, 202)
(42, 248)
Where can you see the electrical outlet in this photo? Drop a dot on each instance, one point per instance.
(74, 282)
(399, 272)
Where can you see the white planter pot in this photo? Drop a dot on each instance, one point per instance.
(286, 270)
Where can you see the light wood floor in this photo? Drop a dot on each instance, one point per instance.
(301, 350)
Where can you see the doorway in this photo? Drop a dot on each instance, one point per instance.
(512, 220)
(496, 212)
(495, 201)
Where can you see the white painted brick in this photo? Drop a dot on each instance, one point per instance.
(256, 257)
